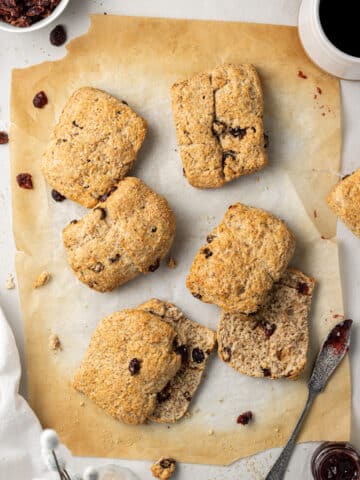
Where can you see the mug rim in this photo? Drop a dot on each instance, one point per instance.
(325, 39)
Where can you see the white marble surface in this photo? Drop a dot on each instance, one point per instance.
(19, 50)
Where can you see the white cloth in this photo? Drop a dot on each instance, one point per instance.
(20, 430)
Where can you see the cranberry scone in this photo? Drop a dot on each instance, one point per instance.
(93, 146)
(274, 341)
(127, 234)
(244, 255)
(219, 124)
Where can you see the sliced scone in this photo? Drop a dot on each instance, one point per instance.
(127, 234)
(194, 343)
(273, 342)
(93, 146)
(241, 260)
(219, 124)
(130, 360)
(344, 200)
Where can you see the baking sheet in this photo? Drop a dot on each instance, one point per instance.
(138, 59)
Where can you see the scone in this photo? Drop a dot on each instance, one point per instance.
(163, 468)
(241, 260)
(127, 234)
(194, 343)
(344, 200)
(219, 124)
(130, 360)
(145, 363)
(93, 146)
(273, 342)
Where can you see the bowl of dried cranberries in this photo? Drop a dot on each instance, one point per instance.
(20, 16)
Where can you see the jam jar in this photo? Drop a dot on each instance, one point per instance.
(335, 461)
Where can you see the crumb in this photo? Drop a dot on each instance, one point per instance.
(302, 75)
(10, 283)
(338, 315)
(54, 342)
(171, 263)
(42, 279)
(323, 114)
(315, 97)
(163, 468)
(82, 403)
(318, 89)
(221, 400)
(211, 432)
(315, 214)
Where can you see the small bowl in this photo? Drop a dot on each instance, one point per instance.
(37, 25)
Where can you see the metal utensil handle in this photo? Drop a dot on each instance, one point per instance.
(278, 470)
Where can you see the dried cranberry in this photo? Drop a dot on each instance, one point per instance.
(76, 125)
(24, 180)
(167, 462)
(345, 176)
(125, 103)
(57, 196)
(115, 258)
(4, 138)
(269, 328)
(163, 395)
(303, 288)
(40, 100)
(266, 372)
(134, 366)
(153, 229)
(102, 211)
(207, 252)
(106, 195)
(182, 350)
(155, 266)
(237, 132)
(245, 418)
(226, 354)
(197, 295)
(198, 355)
(210, 238)
(187, 396)
(58, 36)
(302, 75)
(73, 222)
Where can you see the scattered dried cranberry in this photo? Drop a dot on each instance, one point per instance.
(182, 350)
(40, 100)
(115, 258)
(134, 366)
(58, 36)
(57, 196)
(102, 211)
(167, 462)
(187, 396)
(207, 252)
(155, 266)
(303, 288)
(198, 355)
(302, 75)
(4, 138)
(245, 418)
(266, 372)
(226, 354)
(24, 180)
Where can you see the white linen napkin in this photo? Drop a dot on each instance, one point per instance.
(20, 457)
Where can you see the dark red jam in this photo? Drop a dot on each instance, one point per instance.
(335, 461)
(338, 338)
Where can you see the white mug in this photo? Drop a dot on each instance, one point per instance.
(321, 51)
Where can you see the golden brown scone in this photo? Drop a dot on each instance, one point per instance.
(127, 234)
(163, 468)
(130, 359)
(241, 260)
(93, 146)
(274, 341)
(194, 343)
(219, 124)
(344, 200)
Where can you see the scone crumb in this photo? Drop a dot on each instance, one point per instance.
(82, 403)
(10, 283)
(42, 279)
(211, 431)
(163, 468)
(171, 263)
(54, 342)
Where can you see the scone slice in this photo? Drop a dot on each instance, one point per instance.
(241, 260)
(219, 124)
(130, 360)
(273, 342)
(194, 343)
(93, 146)
(127, 234)
(344, 200)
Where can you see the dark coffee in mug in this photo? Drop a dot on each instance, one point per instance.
(340, 21)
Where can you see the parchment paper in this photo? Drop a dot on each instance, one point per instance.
(138, 59)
